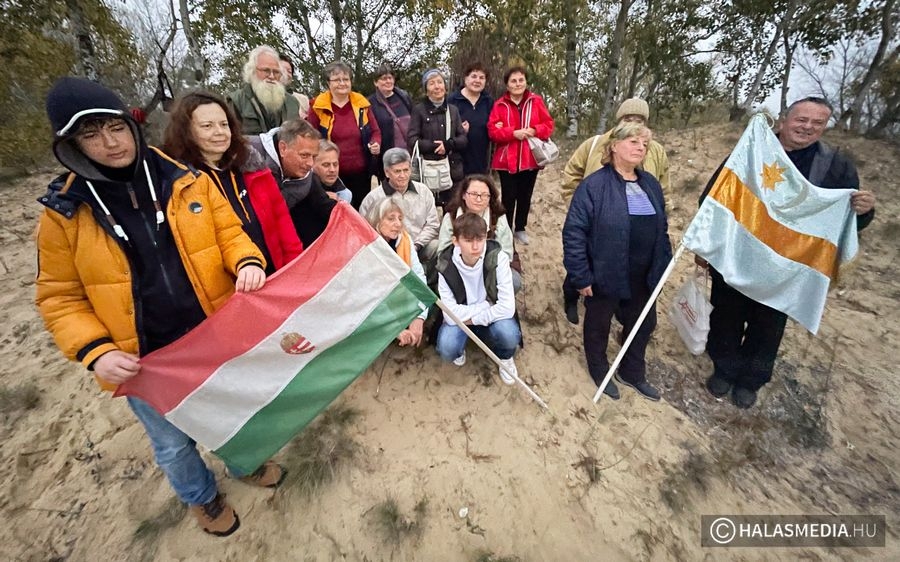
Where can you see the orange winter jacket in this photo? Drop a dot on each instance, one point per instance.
(84, 284)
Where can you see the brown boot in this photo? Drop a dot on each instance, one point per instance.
(217, 517)
(269, 475)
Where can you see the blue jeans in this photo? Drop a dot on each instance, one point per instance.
(502, 337)
(177, 456)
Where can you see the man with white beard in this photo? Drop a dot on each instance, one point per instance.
(262, 103)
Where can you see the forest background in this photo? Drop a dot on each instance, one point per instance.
(693, 61)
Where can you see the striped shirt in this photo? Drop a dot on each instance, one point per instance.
(638, 202)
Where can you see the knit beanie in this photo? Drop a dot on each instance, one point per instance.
(69, 103)
(431, 73)
(633, 106)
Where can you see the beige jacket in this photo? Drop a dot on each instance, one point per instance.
(586, 160)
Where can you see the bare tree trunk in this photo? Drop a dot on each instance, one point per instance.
(615, 55)
(337, 17)
(875, 68)
(890, 116)
(358, 55)
(197, 59)
(788, 65)
(781, 30)
(85, 62)
(571, 75)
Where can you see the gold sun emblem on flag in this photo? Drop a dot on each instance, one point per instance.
(772, 174)
(295, 344)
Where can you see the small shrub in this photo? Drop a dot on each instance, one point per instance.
(315, 456)
(21, 398)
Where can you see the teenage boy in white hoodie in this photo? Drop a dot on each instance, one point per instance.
(475, 283)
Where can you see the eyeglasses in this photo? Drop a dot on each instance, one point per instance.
(341, 80)
(401, 172)
(478, 196)
(273, 72)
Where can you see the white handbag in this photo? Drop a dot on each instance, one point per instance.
(433, 173)
(544, 151)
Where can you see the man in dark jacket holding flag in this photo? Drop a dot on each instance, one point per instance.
(745, 335)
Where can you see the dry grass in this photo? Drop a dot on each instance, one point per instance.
(24, 397)
(691, 475)
(148, 532)
(488, 556)
(315, 456)
(395, 526)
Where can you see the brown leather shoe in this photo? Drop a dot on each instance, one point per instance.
(217, 517)
(269, 475)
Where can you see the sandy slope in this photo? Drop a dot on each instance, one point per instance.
(77, 476)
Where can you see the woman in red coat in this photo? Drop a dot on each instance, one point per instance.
(517, 115)
(204, 132)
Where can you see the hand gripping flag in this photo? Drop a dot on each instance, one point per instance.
(772, 235)
(256, 372)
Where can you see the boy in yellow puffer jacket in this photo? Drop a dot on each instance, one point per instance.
(134, 250)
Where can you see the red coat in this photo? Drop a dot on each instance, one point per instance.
(274, 218)
(513, 155)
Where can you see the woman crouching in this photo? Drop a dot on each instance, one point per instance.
(386, 218)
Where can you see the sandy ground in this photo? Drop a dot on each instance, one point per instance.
(615, 481)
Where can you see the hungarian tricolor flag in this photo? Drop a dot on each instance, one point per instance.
(256, 372)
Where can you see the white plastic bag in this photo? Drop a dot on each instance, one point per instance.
(690, 313)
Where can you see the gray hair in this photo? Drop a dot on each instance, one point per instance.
(809, 99)
(253, 60)
(380, 210)
(326, 145)
(337, 67)
(294, 128)
(394, 156)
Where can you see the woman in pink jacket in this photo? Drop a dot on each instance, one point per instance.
(517, 115)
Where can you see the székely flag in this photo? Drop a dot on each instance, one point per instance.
(252, 375)
(772, 235)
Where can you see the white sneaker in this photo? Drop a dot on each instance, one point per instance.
(461, 360)
(510, 365)
(522, 237)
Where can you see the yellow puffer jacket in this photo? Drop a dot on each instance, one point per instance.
(586, 160)
(84, 283)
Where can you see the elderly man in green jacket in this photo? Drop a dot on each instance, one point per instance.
(263, 103)
(586, 160)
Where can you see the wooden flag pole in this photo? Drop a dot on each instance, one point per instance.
(489, 353)
(653, 296)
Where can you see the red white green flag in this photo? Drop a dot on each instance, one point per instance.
(255, 373)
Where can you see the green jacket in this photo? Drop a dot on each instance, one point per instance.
(586, 160)
(254, 118)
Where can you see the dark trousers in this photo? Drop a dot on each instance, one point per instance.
(515, 193)
(359, 185)
(744, 336)
(598, 315)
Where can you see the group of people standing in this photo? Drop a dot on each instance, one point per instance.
(616, 248)
(467, 128)
(138, 245)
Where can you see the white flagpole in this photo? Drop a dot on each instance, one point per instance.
(489, 353)
(653, 296)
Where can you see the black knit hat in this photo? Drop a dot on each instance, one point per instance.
(70, 102)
